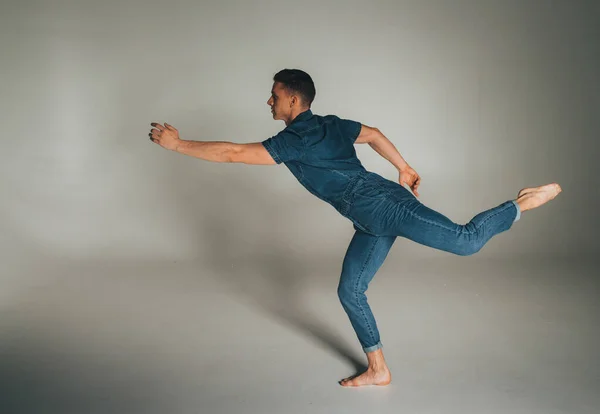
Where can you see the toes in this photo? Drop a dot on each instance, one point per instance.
(524, 191)
(351, 382)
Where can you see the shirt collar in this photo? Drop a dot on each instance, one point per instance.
(303, 116)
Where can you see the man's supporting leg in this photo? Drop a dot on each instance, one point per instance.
(365, 255)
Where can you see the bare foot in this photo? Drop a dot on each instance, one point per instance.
(377, 372)
(369, 377)
(530, 198)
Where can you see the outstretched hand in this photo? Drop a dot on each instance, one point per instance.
(166, 136)
(411, 178)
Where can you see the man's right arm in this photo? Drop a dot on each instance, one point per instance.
(379, 142)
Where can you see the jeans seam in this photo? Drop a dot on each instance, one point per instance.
(356, 289)
(493, 215)
(381, 188)
(454, 230)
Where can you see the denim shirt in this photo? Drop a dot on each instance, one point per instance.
(319, 151)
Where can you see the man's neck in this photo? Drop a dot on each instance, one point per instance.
(294, 114)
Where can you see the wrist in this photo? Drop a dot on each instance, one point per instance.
(179, 145)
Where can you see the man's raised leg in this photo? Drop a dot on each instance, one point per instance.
(415, 221)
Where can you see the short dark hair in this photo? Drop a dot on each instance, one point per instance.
(299, 82)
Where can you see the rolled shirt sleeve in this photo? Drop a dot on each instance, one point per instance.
(285, 146)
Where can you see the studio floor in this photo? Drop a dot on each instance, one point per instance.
(461, 335)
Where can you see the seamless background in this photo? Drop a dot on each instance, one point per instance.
(110, 243)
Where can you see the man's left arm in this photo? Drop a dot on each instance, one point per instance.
(215, 151)
(167, 137)
(221, 151)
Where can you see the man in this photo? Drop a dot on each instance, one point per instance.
(319, 151)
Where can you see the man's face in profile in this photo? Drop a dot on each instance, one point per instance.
(279, 101)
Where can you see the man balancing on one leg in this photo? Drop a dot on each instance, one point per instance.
(319, 151)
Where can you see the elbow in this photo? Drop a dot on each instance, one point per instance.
(233, 154)
(376, 136)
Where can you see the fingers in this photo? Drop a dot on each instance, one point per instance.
(163, 135)
(155, 134)
(157, 125)
(162, 128)
(414, 189)
(416, 185)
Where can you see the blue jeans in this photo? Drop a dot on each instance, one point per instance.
(381, 210)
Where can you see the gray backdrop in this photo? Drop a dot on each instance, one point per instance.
(482, 98)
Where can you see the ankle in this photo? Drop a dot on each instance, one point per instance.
(376, 360)
(521, 203)
(378, 368)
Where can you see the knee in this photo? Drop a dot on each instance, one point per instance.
(468, 249)
(349, 294)
(344, 292)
